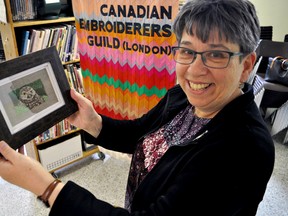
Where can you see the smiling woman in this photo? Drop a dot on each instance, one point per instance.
(187, 143)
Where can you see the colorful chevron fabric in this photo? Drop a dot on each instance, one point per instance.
(126, 53)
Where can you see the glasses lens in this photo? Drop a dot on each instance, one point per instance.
(216, 59)
(213, 59)
(183, 55)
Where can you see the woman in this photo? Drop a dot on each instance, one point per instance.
(203, 149)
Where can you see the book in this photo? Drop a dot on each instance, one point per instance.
(59, 39)
(62, 43)
(67, 44)
(25, 37)
(73, 77)
(56, 34)
(33, 33)
(69, 78)
(72, 44)
(79, 79)
(28, 46)
(39, 37)
(75, 53)
(46, 38)
(52, 32)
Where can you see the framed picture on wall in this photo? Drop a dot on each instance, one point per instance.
(35, 95)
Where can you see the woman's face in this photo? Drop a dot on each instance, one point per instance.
(210, 89)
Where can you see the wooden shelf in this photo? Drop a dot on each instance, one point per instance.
(85, 154)
(71, 62)
(90, 152)
(55, 138)
(42, 22)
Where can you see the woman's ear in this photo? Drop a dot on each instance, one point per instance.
(248, 65)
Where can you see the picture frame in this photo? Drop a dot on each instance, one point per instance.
(35, 95)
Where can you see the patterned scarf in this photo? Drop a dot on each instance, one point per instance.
(183, 127)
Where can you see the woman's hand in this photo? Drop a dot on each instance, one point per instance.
(86, 117)
(23, 171)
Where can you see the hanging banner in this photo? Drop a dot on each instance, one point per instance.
(125, 51)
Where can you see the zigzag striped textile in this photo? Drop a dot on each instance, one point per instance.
(125, 49)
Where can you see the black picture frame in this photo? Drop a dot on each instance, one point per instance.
(35, 95)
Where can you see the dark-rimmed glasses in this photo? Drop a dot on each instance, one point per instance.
(213, 58)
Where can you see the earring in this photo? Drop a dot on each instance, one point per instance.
(241, 85)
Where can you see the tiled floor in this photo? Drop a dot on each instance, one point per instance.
(275, 202)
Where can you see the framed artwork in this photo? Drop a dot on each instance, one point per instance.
(35, 95)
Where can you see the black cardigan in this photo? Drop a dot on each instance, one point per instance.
(224, 171)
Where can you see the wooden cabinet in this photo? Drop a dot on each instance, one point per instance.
(59, 151)
(11, 39)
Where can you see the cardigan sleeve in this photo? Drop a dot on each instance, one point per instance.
(75, 200)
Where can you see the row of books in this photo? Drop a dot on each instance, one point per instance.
(74, 76)
(23, 9)
(58, 130)
(62, 36)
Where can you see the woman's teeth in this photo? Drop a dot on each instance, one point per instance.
(198, 86)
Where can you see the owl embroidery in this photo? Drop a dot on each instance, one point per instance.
(30, 97)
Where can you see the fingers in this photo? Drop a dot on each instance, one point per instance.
(76, 96)
(73, 93)
(6, 150)
(82, 102)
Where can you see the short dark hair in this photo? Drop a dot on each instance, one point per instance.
(235, 20)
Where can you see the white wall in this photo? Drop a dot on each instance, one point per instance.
(273, 13)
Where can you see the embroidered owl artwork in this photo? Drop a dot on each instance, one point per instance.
(29, 97)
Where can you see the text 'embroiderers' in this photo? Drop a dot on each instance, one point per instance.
(137, 11)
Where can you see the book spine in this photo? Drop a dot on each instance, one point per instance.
(25, 37)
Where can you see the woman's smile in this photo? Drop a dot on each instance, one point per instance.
(197, 86)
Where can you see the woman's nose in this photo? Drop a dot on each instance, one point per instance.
(197, 67)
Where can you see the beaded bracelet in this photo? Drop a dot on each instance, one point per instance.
(47, 193)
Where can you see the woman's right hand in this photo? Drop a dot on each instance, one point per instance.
(23, 171)
(86, 117)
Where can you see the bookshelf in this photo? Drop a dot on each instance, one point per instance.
(11, 34)
(2, 55)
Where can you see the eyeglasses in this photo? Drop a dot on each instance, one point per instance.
(212, 58)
